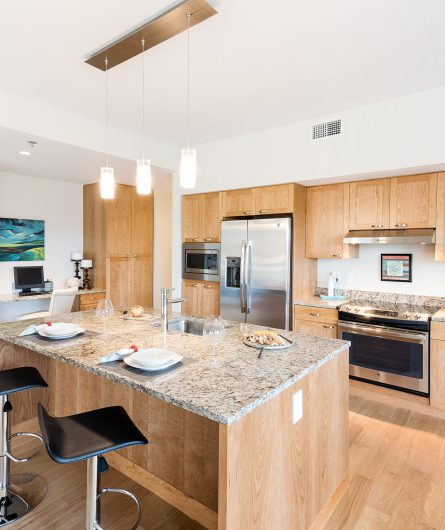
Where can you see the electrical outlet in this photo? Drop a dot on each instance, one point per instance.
(297, 406)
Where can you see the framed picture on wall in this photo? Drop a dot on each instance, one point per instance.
(396, 267)
(22, 239)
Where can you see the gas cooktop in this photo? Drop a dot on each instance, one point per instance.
(372, 310)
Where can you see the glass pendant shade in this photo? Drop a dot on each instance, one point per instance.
(143, 177)
(107, 183)
(187, 172)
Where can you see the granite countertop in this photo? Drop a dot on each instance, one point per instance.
(239, 383)
(316, 301)
(14, 297)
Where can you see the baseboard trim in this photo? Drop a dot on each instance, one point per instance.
(328, 509)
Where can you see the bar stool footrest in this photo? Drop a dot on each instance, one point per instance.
(28, 458)
(128, 494)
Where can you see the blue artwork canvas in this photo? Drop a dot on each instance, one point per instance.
(22, 240)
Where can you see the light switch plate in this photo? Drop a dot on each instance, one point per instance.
(297, 406)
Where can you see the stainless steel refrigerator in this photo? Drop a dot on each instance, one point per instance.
(255, 281)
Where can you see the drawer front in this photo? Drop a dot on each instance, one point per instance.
(316, 314)
(87, 307)
(318, 329)
(88, 299)
(438, 330)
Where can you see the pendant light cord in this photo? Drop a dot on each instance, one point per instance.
(143, 94)
(189, 17)
(106, 109)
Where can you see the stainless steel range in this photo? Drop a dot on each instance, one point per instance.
(389, 344)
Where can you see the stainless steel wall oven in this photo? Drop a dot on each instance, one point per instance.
(201, 261)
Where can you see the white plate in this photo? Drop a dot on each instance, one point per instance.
(153, 358)
(267, 346)
(61, 328)
(60, 337)
(134, 364)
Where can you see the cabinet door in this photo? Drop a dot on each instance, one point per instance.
(437, 377)
(142, 281)
(191, 291)
(413, 201)
(119, 280)
(191, 218)
(318, 329)
(141, 224)
(369, 204)
(238, 203)
(327, 222)
(119, 221)
(274, 199)
(211, 217)
(210, 299)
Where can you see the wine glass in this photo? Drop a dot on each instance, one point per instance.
(104, 311)
(214, 333)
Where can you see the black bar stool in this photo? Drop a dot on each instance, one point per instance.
(16, 500)
(87, 436)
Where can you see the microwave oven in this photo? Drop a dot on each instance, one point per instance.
(200, 261)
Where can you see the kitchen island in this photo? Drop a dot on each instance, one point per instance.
(226, 447)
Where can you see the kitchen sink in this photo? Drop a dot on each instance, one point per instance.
(194, 327)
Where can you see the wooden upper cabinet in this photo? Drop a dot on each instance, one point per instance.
(274, 199)
(142, 224)
(211, 213)
(327, 222)
(191, 217)
(238, 203)
(119, 221)
(413, 201)
(369, 204)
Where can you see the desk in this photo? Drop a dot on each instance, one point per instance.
(10, 309)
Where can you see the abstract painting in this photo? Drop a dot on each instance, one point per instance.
(396, 267)
(22, 240)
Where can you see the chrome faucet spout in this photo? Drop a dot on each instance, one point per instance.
(165, 302)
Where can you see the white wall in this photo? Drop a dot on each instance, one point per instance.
(60, 205)
(363, 274)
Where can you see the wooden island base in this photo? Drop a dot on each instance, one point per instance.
(259, 473)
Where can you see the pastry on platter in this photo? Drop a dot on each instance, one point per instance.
(137, 311)
(265, 338)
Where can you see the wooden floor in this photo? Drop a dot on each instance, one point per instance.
(397, 481)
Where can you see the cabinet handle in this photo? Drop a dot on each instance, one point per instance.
(248, 212)
(328, 327)
(376, 226)
(207, 287)
(337, 255)
(314, 314)
(207, 239)
(402, 225)
(195, 285)
(264, 211)
(195, 239)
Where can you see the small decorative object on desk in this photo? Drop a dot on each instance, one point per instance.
(49, 286)
(77, 258)
(73, 282)
(85, 265)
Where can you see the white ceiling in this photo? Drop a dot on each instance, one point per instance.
(254, 65)
(59, 161)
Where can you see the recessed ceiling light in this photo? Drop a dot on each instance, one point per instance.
(25, 152)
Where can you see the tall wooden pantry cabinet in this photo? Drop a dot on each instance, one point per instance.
(118, 237)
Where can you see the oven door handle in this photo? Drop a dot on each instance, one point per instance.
(382, 331)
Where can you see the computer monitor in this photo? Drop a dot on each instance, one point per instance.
(27, 278)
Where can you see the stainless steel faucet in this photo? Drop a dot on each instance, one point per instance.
(164, 306)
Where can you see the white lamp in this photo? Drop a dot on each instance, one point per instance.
(143, 177)
(187, 172)
(107, 183)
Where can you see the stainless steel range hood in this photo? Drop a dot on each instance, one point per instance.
(418, 236)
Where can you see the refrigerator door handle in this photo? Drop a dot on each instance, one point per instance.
(248, 276)
(242, 288)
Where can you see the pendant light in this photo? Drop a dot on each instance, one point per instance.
(106, 173)
(187, 172)
(143, 167)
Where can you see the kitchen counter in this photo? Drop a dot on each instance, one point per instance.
(439, 316)
(14, 297)
(240, 383)
(316, 301)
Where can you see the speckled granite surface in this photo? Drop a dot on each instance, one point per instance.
(316, 301)
(439, 316)
(238, 384)
(13, 297)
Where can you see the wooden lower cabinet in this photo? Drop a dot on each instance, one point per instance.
(129, 280)
(89, 301)
(437, 365)
(318, 321)
(202, 298)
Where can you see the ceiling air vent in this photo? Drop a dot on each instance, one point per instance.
(329, 128)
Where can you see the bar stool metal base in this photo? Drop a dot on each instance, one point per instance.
(23, 494)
